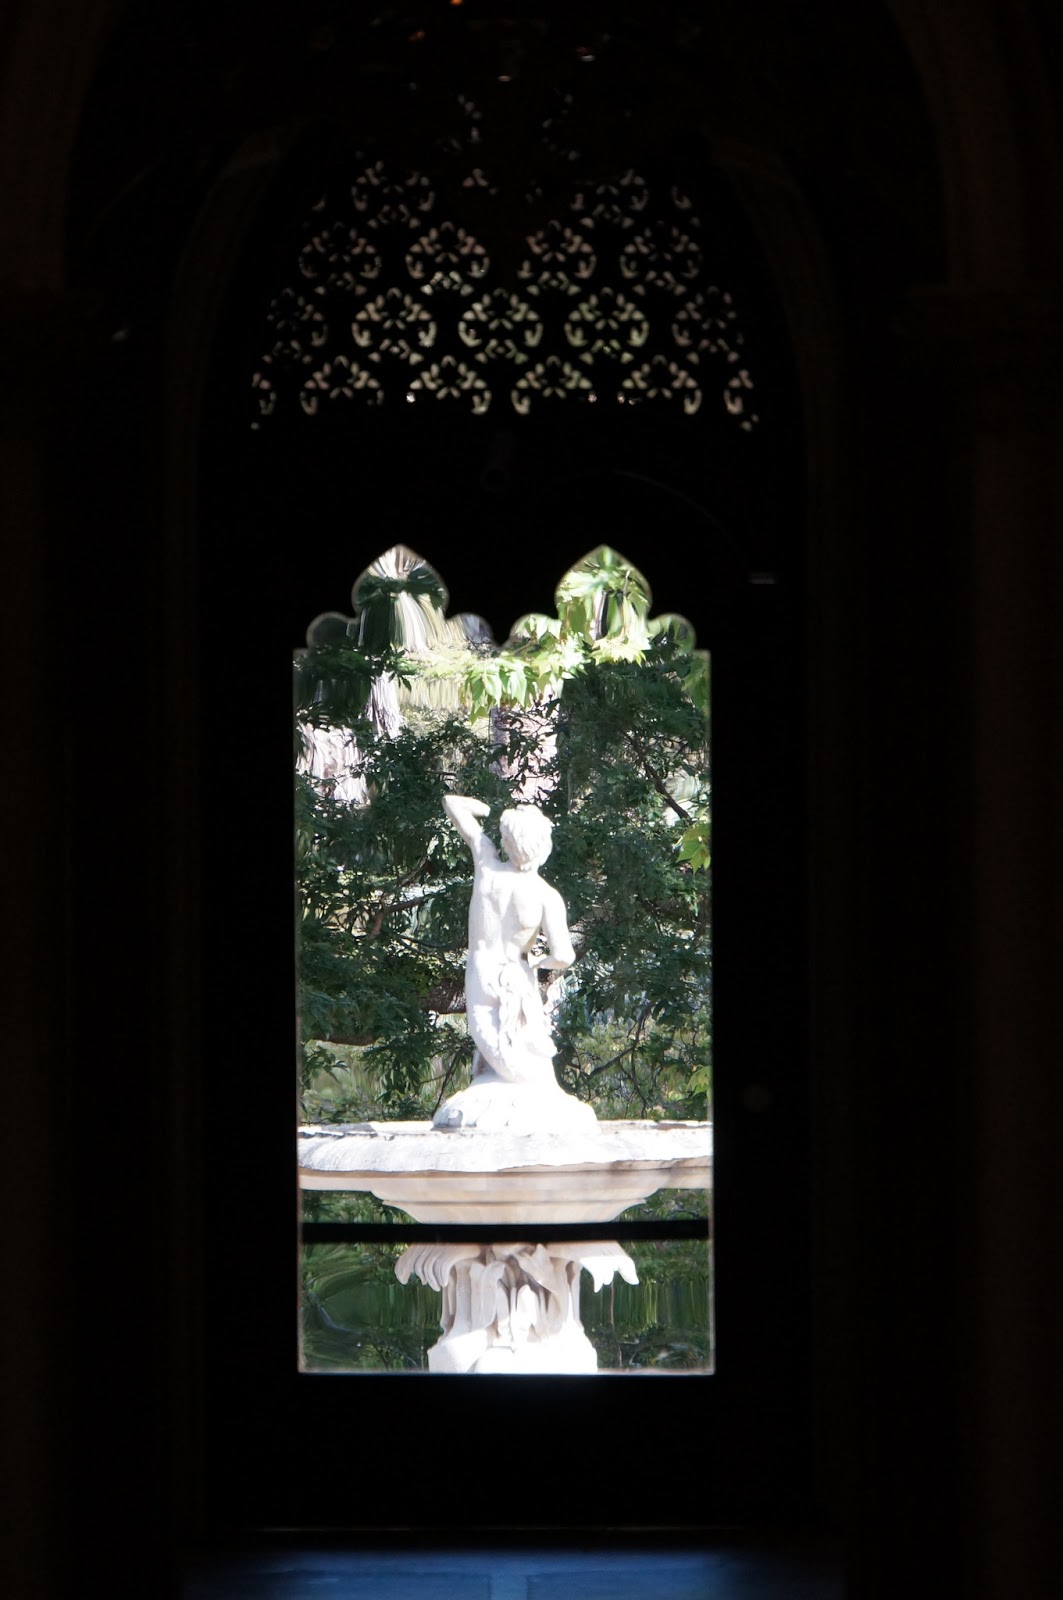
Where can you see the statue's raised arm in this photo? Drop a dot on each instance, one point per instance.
(463, 812)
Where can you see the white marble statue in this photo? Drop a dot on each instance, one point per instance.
(513, 1082)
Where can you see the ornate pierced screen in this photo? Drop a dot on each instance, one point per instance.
(448, 286)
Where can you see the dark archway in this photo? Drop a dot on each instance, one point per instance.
(983, 343)
(290, 513)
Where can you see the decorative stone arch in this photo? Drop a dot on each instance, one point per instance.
(203, 279)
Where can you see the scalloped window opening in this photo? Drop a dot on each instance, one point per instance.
(504, 982)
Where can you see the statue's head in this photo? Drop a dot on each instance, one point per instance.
(526, 836)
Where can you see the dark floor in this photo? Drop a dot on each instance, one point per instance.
(728, 1568)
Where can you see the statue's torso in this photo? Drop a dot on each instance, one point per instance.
(505, 913)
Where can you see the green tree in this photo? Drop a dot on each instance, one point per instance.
(600, 714)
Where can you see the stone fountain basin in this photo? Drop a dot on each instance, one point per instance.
(467, 1175)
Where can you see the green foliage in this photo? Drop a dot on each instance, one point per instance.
(632, 778)
(661, 1324)
(384, 892)
(606, 710)
(355, 1315)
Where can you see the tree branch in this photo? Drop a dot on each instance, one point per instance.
(655, 777)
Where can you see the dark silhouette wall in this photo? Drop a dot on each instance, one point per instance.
(902, 171)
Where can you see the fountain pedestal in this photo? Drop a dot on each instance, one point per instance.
(513, 1306)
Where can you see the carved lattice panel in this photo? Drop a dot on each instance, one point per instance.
(407, 291)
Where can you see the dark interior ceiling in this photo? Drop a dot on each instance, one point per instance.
(189, 95)
(823, 88)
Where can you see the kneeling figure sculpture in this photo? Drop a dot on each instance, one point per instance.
(513, 1083)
